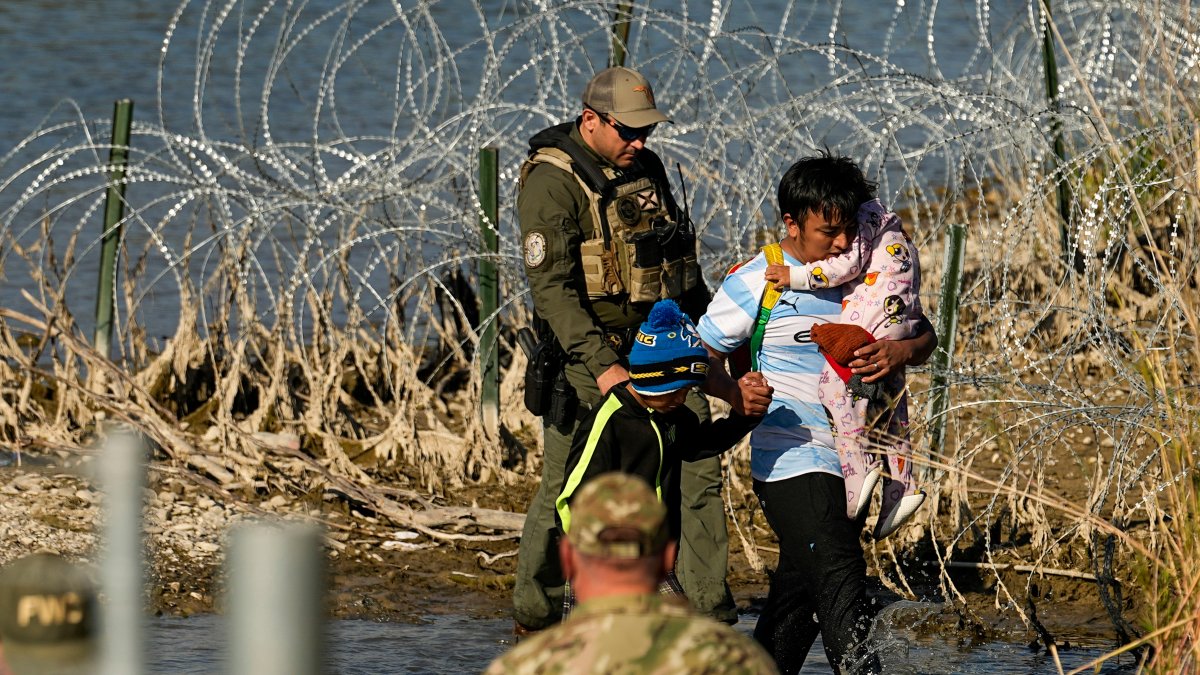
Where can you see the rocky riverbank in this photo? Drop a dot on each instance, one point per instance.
(377, 571)
(380, 572)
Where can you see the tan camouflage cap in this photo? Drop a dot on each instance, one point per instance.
(617, 515)
(47, 616)
(625, 95)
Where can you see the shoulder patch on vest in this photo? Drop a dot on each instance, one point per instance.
(535, 249)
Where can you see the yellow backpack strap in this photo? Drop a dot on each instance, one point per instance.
(774, 255)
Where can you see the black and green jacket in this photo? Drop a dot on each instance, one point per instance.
(621, 435)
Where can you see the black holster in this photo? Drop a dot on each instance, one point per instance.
(548, 393)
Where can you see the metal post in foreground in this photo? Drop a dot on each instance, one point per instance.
(620, 32)
(488, 353)
(114, 211)
(276, 585)
(122, 474)
(947, 326)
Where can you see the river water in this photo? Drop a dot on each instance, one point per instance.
(452, 644)
(64, 58)
(87, 54)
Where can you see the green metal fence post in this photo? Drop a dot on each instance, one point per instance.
(1059, 156)
(114, 211)
(489, 287)
(620, 33)
(947, 326)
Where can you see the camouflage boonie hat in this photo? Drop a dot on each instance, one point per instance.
(617, 515)
(47, 616)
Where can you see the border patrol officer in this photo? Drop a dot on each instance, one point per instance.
(603, 239)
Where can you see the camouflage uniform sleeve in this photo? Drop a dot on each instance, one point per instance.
(703, 649)
(556, 651)
(742, 656)
(618, 642)
(550, 208)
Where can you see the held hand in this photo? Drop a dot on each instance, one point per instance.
(615, 374)
(754, 395)
(780, 275)
(878, 359)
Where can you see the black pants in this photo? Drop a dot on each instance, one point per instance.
(821, 573)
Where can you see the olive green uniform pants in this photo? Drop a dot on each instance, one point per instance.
(703, 551)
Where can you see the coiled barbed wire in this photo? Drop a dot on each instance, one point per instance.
(309, 166)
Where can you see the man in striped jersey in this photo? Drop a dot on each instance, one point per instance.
(819, 585)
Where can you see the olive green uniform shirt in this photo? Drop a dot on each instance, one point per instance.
(635, 634)
(554, 206)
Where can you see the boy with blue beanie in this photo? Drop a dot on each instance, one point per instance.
(641, 427)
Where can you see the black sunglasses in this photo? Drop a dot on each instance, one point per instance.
(627, 134)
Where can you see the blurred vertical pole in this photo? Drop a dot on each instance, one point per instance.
(122, 473)
(947, 326)
(114, 211)
(1059, 155)
(489, 287)
(275, 599)
(620, 33)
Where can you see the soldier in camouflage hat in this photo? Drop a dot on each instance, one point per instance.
(616, 553)
(620, 517)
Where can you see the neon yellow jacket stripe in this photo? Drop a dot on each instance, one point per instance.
(611, 405)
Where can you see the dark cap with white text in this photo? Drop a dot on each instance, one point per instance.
(47, 616)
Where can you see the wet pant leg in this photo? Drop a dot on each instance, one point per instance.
(787, 627)
(704, 540)
(821, 573)
(538, 589)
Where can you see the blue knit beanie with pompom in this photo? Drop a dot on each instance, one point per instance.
(667, 353)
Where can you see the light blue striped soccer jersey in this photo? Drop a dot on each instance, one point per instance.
(794, 438)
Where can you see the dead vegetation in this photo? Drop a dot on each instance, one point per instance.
(298, 317)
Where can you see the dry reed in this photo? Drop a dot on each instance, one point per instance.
(295, 309)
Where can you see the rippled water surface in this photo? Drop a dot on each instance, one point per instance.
(65, 60)
(456, 644)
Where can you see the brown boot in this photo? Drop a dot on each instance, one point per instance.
(521, 631)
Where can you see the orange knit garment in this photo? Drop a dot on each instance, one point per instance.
(839, 340)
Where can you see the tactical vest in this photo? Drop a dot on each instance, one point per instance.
(638, 244)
